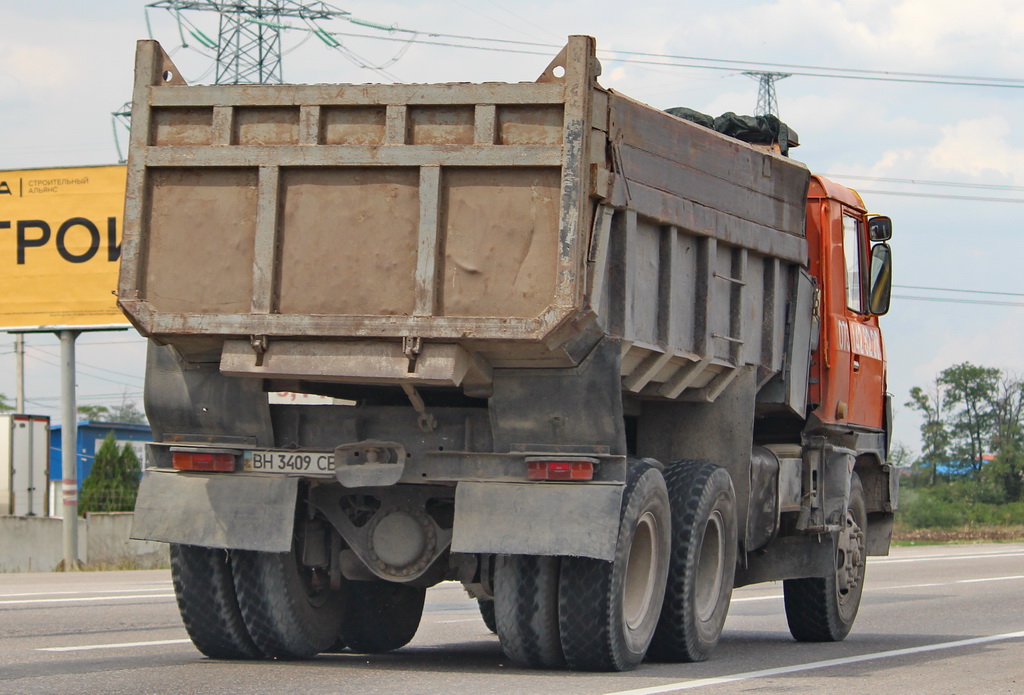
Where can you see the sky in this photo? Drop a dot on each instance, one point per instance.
(940, 159)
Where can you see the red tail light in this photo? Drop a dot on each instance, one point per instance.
(559, 469)
(203, 461)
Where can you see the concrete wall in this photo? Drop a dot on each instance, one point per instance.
(36, 544)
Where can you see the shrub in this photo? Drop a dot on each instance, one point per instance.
(113, 481)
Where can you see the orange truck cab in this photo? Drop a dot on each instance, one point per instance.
(851, 261)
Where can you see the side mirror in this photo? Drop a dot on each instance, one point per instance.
(881, 279)
(880, 228)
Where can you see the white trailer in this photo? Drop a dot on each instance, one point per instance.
(24, 454)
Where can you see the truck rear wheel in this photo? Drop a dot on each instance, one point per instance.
(822, 609)
(608, 611)
(487, 613)
(289, 609)
(381, 616)
(703, 564)
(526, 609)
(206, 600)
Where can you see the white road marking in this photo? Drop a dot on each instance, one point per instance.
(25, 602)
(933, 558)
(872, 589)
(80, 593)
(122, 645)
(783, 670)
(989, 579)
(464, 620)
(773, 597)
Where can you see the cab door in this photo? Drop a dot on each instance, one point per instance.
(859, 335)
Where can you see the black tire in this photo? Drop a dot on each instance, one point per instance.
(381, 616)
(608, 611)
(206, 600)
(290, 611)
(703, 565)
(486, 607)
(822, 609)
(526, 609)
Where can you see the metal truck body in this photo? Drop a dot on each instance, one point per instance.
(559, 320)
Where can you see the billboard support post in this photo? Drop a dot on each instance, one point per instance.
(69, 452)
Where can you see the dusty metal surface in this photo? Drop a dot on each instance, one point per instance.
(246, 512)
(554, 519)
(348, 241)
(501, 241)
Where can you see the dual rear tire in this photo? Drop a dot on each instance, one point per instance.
(254, 605)
(666, 593)
(703, 566)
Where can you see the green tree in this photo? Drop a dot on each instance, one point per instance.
(972, 412)
(128, 413)
(971, 393)
(97, 413)
(4, 404)
(934, 434)
(113, 482)
(1006, 472)
(1007, 412)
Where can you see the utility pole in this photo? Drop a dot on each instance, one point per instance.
(767, 103)
(19, 350)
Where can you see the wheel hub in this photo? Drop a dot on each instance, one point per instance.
(850, 556)
(401, 541)
(641, 571)
(710, 567)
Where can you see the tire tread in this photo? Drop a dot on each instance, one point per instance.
(275, 608)
(206, 598)
(526, 610)
(591, 634)
(690, 487)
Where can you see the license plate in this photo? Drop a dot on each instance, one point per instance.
(308, 462)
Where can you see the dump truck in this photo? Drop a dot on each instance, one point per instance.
(596, 362)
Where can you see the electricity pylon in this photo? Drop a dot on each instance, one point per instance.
(248, 44)
(767, 103)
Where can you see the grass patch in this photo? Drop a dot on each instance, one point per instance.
(969, 533)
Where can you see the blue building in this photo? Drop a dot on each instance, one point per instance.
(90, 437)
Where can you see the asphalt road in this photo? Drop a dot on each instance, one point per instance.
(935, 619)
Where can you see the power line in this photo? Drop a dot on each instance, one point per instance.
(949, 289)
(91, 376)
(109, 397)
(80, 364)
(719, 64)
(941, 196)
(925, 182)
(952, 300)
(739, 64)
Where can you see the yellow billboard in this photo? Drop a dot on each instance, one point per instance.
(60, 242)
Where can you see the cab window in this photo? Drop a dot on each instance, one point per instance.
(852, 255)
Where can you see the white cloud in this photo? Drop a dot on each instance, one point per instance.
(36, 66)
(979, 147)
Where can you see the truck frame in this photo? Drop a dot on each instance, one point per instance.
(596, 362)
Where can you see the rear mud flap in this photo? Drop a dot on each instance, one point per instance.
(537, 519)
(216, 511)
